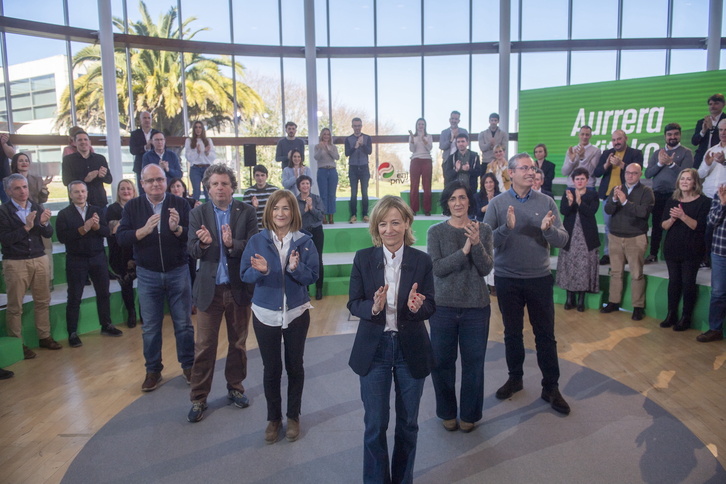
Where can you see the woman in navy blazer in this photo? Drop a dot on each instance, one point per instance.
(392, 292)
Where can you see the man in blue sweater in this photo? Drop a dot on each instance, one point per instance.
(155, 224)
(525, 224)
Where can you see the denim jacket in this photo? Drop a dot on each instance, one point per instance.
(268, 293)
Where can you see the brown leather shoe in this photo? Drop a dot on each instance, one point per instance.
(272, 432)
(293, 430)
(151, 382)
(49, 343)
(28, 354)
(709, 336)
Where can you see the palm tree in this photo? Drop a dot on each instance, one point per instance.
(156, 79)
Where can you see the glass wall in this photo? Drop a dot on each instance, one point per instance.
(369, 64)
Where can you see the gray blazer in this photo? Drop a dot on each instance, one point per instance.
(243, 223)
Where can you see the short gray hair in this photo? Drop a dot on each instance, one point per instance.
(219, 169)
(513, 160)
(8, 180)
(74, 183)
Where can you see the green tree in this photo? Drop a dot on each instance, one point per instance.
(156, 78)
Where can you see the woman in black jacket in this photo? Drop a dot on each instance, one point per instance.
(577, 265)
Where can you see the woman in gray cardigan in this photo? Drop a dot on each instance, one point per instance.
(462, 254)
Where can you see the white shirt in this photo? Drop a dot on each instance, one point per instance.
(392, 277)
(712, 176)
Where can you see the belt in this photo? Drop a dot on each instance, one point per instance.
(326, 168)
(202, 166)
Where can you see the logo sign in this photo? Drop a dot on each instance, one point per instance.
(386, 170)
(639, 107)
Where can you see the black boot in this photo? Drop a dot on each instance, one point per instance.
(570, 300)
(581, 301)
(683, 324)
(670, 320)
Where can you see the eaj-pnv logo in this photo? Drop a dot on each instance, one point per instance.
(385, 170)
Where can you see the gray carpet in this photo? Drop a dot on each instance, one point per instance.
(614, 434)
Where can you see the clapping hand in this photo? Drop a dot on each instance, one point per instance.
(472, 232)
(511, 219)
(570, 197)
(293, 260)
(204, 236)
(173, 219)
(45, 216)
(415, 299)
(722, 194)
(677, 212)
(227, 236)
(619, 194)
(548, 220)
(47, 180)
(259, 263)
(30, 220)
(379, 299)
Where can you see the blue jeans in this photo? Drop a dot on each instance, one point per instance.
(328, 186)
(536, 294)
(154, 289)
(375, 389)
(717, 307)
(358, 173)
(466, 329)
(196, 173)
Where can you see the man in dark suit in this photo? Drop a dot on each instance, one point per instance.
(82, 229)
(140, 143)
(611, 168)
(218, 233)
(706, 133)
(629, 206)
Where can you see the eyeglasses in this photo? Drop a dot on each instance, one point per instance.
(632, 173)
(151, 181)
(526, 168)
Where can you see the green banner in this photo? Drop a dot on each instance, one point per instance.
(640, 107)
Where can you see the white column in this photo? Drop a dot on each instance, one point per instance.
(713, 45)
(312, 86)
(110, 98)
(504, 61)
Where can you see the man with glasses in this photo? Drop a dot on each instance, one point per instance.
(358, 147)
(629, 206)
(611, 168)
(525, 223)
(166, 159)
(155, 224)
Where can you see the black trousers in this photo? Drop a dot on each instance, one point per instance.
(318, 241)
(537, 295)
(269, 339)
(78, 270)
